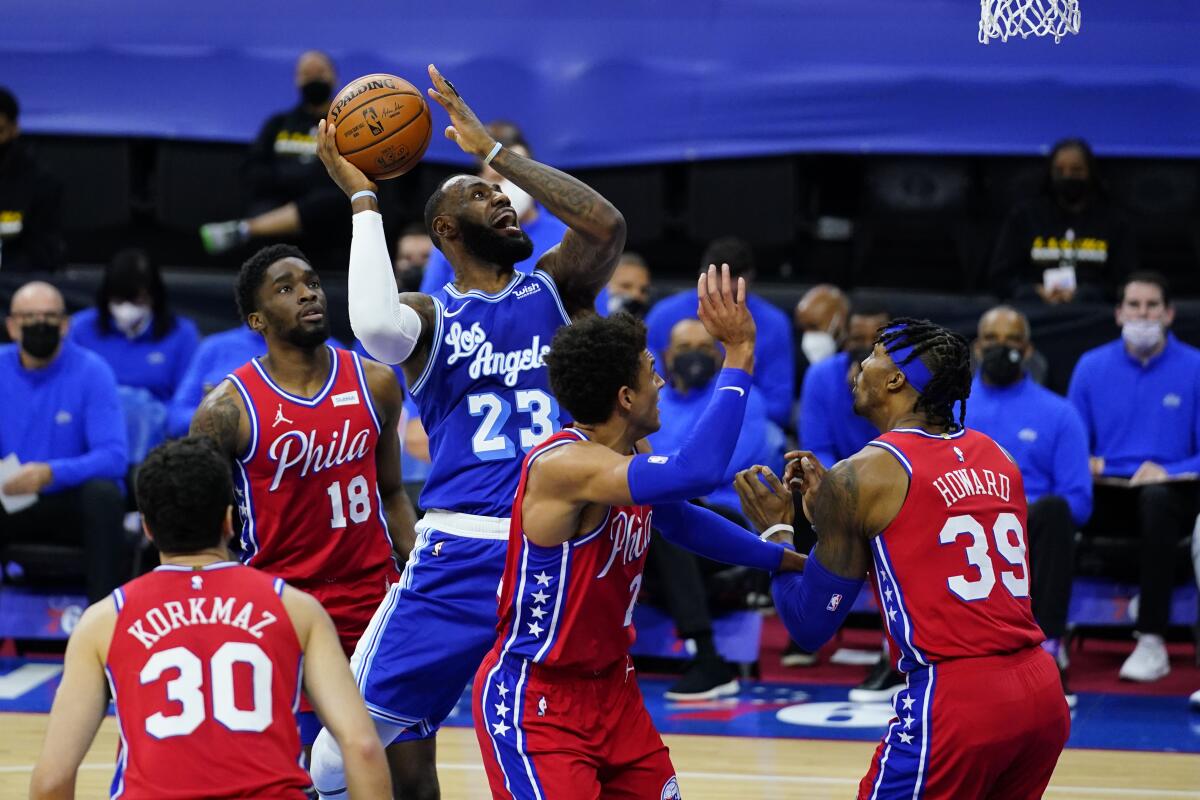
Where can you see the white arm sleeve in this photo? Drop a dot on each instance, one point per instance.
(387, 328)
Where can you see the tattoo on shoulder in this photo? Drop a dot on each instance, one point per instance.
(218, 418)
(837, 499)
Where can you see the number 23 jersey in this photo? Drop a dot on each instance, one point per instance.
(484, 395)
(951, 569)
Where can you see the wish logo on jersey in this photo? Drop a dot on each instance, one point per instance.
(485, 361)
(299, 449)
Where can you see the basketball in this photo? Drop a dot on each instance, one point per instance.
(382, 125)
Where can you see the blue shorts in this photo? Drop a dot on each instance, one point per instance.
(434, 627)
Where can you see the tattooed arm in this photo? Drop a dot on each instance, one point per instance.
(222, 418)
(584, 261)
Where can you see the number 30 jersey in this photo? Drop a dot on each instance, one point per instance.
(310, 504)
(204, 667)
(484, 396)
(951, 569)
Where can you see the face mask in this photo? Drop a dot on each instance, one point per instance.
(1001, 365)
(694, 369)
(1070, 190)
(521, 200)
(40, 339)
(619, 303)
(817, 346)
(315, 93)
(1142, 335)
(130, 318)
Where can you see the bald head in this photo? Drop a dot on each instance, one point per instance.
(37, 297)
(313, 65)
(37, 320)
(824, 307)
(1004, 325)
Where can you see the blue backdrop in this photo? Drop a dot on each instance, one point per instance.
(626, 81)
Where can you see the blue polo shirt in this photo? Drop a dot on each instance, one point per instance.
(774, 363)
(156, 365)
(1045, 435)
(1135, 413)
(827, 424)
(66, 414)
(678, 413)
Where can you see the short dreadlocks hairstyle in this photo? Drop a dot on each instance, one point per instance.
(591, 360)
(948, 358)
(250, 278)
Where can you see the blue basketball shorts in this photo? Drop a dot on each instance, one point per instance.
(435, 625)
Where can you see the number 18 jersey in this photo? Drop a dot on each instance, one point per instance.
(484, 396)
(951, 568)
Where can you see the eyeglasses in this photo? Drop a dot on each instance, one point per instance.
(26, 317)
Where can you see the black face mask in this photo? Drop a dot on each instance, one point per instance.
(1001, 365)
(1070, 190)
(410, 279)
(40, 339)
(694, 369)
(619, 303)
(315, 93)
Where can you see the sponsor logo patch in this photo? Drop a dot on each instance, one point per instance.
(345, 399)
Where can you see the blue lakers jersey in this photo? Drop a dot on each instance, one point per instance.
(484, 396)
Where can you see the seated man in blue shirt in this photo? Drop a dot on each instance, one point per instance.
(1045, 435)
(1139, 397)
(674, 574)
(775, 377)
(63, 420)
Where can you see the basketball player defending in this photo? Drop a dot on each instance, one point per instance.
(557, 710)
(204, 659)
(311, 433)
(473, 360)
(937, 513)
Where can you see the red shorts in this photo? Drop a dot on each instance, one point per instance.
(990, 727)
(555, 736)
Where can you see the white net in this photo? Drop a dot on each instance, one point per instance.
(1001, 19)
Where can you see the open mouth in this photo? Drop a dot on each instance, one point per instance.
(506, 220)
(312, 315)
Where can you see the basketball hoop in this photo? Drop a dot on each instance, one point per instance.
(1001, 19)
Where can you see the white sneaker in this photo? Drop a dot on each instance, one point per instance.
(1148, 662)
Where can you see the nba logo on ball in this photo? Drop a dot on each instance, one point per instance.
(670, 790)
(373, 122)
(834, 602)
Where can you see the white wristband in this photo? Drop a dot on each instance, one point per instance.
(364, 193)
(495, 149)
(774, 529)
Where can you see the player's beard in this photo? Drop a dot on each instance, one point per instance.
(308, 337)
(488, 244)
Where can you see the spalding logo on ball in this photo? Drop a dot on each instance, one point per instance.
(382, 125)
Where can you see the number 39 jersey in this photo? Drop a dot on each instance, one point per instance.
(310, 505)
(484, 395)
(204, 667)
(951, 569)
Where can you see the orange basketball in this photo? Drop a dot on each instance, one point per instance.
(382, 125)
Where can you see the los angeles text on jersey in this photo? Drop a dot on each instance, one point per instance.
(967, 482)
(172, 615)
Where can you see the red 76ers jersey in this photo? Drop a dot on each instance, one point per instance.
(310, 504)
(951, 568)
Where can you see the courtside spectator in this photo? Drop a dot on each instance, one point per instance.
(413, 247)
(62, 419)
(1044, 434)
(675, 575)
(216, 356)
(629, 286)
(30, 201)
(820, 320)
(289, 191)
(774, 366)
(1139, 397)
(1069, 243)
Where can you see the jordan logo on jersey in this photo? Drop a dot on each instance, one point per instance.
(472, 343)
(297, 449)
(279, 417)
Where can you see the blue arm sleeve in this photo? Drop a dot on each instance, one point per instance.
(105, 433)
(710, 535)
(1072, 477)
(813, 604)
(699, 465)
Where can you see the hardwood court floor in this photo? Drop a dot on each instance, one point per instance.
(710, 767)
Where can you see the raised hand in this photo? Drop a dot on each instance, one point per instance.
(465, 129)
(349, 178)
(765, 500)
(725, 315)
